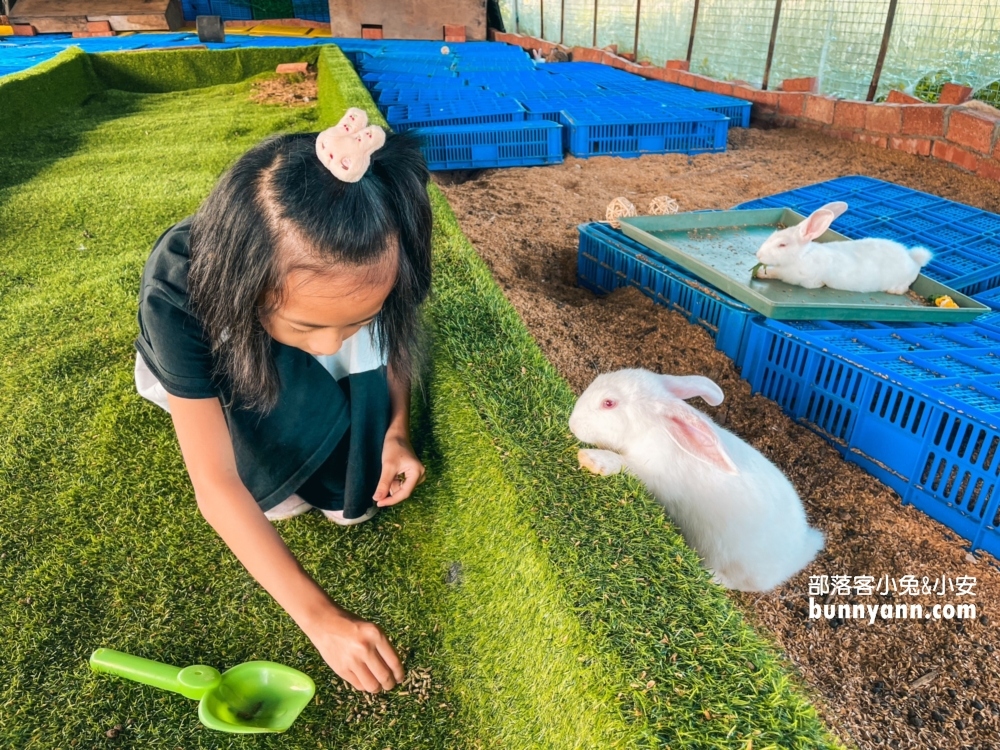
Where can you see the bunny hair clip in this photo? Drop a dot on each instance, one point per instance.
(346, 148)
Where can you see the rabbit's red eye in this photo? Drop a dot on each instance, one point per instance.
(609, 403)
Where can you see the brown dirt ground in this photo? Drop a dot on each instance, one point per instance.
(291, 90)
(866, 679)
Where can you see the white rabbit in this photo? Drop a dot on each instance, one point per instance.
(732, 505)
(872, 265)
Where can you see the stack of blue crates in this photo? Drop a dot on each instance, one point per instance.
(916, 404)
(596, 110)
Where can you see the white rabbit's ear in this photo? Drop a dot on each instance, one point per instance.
(836, 208)
(695, 436)
(690, 386)
(817, 223)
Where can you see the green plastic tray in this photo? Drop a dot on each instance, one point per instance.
(720, 247)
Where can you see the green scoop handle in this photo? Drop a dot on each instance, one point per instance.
(192, 682)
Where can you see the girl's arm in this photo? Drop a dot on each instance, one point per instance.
(398, 458)
(356, 650)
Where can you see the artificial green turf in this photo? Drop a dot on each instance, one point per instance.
(164, 70)
(568, 595)
(31, 98)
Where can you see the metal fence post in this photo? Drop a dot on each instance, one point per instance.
(542, 32)
(890, 16)
(635, 42)
(694, 23)
(562, 20)
(595, 23)
(770, 45)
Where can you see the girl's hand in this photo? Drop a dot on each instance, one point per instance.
(401, 471)
(356, 650)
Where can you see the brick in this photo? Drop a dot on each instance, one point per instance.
(4, 21)
(678, 65)
(454, 32)
(884, 118)
(721, 87)
(917, 146)
(989, 168)
(91, 34)
(24, 29)
(924, 119)
(973, 129)
(808, 124)
(645, 63)
(819, 108)
(98, 26)
(952, 93)
(612, 48)
(802, 85)
(630, 56)
(790, 103)
(371, 32)
(876, 140)
(585, 54)
(898, 97)
(672, 76)
(766, 99)
(743, 91)
(849, 115)
(700, 82)
(955, 155)
(618, 62)
(685, 79)
(299, 67)
(844, 135)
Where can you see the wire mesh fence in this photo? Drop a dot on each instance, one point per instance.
(928, 42)
(835, 40)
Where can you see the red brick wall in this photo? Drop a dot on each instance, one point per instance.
(964, 134)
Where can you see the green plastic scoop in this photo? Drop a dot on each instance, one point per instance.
(253, 697)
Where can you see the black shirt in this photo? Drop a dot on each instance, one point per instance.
(292, 447)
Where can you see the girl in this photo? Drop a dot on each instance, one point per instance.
(278, 327)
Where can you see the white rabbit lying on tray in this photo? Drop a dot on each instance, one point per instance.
(732, 505)
(872, 265)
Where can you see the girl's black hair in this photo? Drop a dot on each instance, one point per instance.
(278, 190)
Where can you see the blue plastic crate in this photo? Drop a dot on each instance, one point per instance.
(939, 452)
(737, 110)
(194, 8)
(607, 260)
(486, 109)
(515, 144)
(911, 217)
(404, 94)
(619, 131)
(231, 11)
(312, 10)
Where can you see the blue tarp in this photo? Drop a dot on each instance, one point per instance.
(19, 53)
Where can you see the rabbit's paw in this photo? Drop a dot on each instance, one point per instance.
(600, 462)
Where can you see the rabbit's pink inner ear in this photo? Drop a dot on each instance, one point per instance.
(697, 438)
(817, 223)
(836, 208)
(689, 386)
